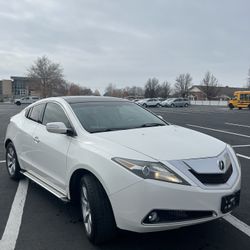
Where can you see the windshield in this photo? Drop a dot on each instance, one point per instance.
(109, 116)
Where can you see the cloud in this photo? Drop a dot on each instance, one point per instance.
(126, 42)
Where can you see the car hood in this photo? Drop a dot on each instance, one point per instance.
(167, 142)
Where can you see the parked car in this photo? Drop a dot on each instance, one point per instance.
(26, 100)
(126, 167)
(150, 102)
(175, 102)
(165, 102)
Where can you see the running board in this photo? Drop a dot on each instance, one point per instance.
(41, 183)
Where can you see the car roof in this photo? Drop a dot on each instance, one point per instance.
(79, 99)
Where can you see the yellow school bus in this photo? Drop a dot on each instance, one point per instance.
(241, 100)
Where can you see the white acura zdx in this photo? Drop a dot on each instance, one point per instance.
(127, 167)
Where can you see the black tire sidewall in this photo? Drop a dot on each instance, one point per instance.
(97, 199)
(17, 174)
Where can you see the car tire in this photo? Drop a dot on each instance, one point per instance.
(144, 105)
(12, 164)
(240, 108)
(172, 105)
(158, 105)
(249, 106)
(97, 214)
(186, 105)
(18, 103)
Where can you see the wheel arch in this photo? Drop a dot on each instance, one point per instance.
(7, 141)
(74, 181)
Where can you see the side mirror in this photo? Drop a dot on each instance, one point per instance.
(57, 128)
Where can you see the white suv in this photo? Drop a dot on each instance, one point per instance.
(125, 166)
(26, 100)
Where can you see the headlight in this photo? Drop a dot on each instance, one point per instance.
(150, 170)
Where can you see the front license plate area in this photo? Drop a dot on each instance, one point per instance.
(229, 202)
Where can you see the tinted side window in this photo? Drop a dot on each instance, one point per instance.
(54, 113)
(36, 113)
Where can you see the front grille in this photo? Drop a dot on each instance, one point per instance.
(213, 178)
(168, 216)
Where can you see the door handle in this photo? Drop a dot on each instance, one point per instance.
(36, 139)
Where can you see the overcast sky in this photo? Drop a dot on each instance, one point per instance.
(127, 41)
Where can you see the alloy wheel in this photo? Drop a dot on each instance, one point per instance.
(11, 161)
(86, 211)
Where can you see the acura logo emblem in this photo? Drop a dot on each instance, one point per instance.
(221, 165)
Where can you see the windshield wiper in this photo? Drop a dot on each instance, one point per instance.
(106, 130)
(101, 130)
(152, 124)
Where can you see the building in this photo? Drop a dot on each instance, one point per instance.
(196, 92)
(5, 89)
(19, 86)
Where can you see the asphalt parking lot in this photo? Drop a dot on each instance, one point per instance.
(48, 223)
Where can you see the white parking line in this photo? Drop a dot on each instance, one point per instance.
(243, 156)
(238, 125)
(218, 130)
(238, 224)
(8, 241)
(2, 161)
(241, 146)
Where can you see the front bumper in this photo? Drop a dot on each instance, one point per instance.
(131, 205)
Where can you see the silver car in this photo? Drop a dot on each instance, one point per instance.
(176, 102)
(150, 102)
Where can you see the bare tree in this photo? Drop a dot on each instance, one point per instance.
(182, 84)
(61, 88)
(210, 86)
(152, 88)
(109, 90)
(74, 89)
(136, 91)
(47, 75)
(86, 91)
(96, 93)
(165, 90)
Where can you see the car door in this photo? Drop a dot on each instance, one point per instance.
(24, 142)
(50, 156)
(176, 103)
(149, 102)
(154, 102)
(181, 102)
(24, 100)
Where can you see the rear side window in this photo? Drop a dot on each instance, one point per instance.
(54, 113)
(35, 114)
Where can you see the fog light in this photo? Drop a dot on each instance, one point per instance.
(153, 217)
